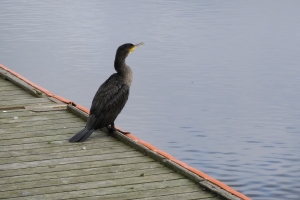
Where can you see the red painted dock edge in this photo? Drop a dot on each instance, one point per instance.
(131, 136)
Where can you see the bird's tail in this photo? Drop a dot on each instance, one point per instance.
(82, 135)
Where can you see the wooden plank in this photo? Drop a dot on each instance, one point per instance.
(17, 150)
(5, 82)
(38, 120)
(217, 190)
(58, 161)
(30, 113)
(77, 177)
(47, 126)
(84, 170)
(187, 196)
(51, 149)
(56, 138)
(9, 97)
(17, 121)
(67, 154)
(154, 190)
(12, 175)
(9, 87)
(23, 102)
(12, 93)
(47, 108)
(16, 81)
(147, 189)
(59, 126)
(55, 186)
(42, 133)
(50, 140)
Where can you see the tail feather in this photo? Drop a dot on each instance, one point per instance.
(82, 135)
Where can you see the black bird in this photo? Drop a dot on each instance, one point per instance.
(110, 98)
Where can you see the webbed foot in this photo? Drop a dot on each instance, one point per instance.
(112, 128)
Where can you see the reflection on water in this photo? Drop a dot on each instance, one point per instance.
(216, 85)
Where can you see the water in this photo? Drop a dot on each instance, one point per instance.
(217, 83)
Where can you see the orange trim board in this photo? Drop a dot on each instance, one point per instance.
(131, 136)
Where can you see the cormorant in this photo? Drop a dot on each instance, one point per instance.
(110, 98)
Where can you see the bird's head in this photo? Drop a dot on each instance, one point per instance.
(124, 50)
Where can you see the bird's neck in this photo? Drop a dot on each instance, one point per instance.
(123, 70)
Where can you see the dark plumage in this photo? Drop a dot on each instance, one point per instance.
(110, 98)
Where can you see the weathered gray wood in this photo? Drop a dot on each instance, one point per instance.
(30, 113)
(31, 144)
(40, 148)
(78, 178)
(13, 93)
(4, 82)
(84, 170)
(24, 102)
(38, 162)
(43, 133)
(211, 187)
(58, 161)
(49, 126)
(77, 112)
(68, 154)
(107, 145)
(20, 83)
(123, 164)
(188, 196)
(9, 97)
(87, 182)
(128, 190)
(9, 87)
(146, 190)
(51, 139)
(37, 120)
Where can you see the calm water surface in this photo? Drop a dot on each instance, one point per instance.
(217, 84)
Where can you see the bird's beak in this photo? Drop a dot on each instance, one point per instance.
(137, 45)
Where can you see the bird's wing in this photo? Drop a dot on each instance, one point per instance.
(110, 97)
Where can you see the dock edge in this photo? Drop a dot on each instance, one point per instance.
(204, 180)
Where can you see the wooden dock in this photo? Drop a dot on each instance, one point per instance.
(38, 162)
